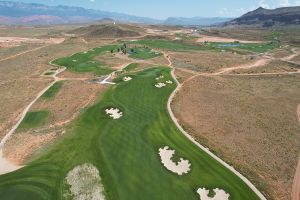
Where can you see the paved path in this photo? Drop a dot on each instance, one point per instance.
(6, 166)
(250, 185)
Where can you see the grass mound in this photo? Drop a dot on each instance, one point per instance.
(126, 151)
(53, 90)
(34, 119)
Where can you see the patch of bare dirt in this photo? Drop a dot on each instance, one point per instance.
(248, 121)
(183, 75)
(21, 146)
(69, 101)
(275, 66)
(208, 61)
(205, 38)
(20, 79)
(16, 41)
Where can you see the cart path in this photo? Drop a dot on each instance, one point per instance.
(206, 150)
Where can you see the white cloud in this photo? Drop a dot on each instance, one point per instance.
(283, 3)
(297, 3)
(264, 4)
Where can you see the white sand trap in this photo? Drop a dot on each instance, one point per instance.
(161, 77)
(219, 194)
(85, 183)
(85, 52)
(114, 113)
(74, 60)
(127, 78)
(169, 82)
(182, 167)
(160, 85)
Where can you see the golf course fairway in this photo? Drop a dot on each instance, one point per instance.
(126, 151)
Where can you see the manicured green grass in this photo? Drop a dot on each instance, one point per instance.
(143, 53)
(53, 90)
(131, 67)
(172, 45)
(125, 151)
(34, 119)
(83, 62)
(49, 73)
(258, 48)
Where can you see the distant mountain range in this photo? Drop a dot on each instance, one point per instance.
(32, 13)
(268, 17)
(196, 21)
(17, 13)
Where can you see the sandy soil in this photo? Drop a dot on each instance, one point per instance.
(21, 146)
(16, 41)
(63, 107)
(258, 63)
(21, 80)
(180, 168)
(208, 62)
(85, 183)
(248, 121)
(219, 194)
(205, 38)
(192, 139)
(114, 113)
(296, 184)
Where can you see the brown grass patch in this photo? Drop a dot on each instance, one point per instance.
(249, 121)
(208, 61)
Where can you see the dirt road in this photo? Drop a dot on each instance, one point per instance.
(260, 62)
(175, 120)
(4, 164)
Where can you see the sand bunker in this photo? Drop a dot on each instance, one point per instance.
(114, 113)
(127, 78)
(161, 77)
(74, 60)
(160, 85)
(182, 167)
(85, 183)
(219, 194)
(169, 82)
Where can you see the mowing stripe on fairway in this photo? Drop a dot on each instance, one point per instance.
(126, 151)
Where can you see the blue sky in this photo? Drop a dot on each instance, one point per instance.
(161, 9)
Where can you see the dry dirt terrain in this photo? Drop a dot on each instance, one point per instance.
(250, 121)
(207, 61)
(63, 108)
(25, 70)
(243, 107)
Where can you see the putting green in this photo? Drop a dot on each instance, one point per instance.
(126, 151)
(83, 62)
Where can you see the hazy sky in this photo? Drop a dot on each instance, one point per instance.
(165, 8)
